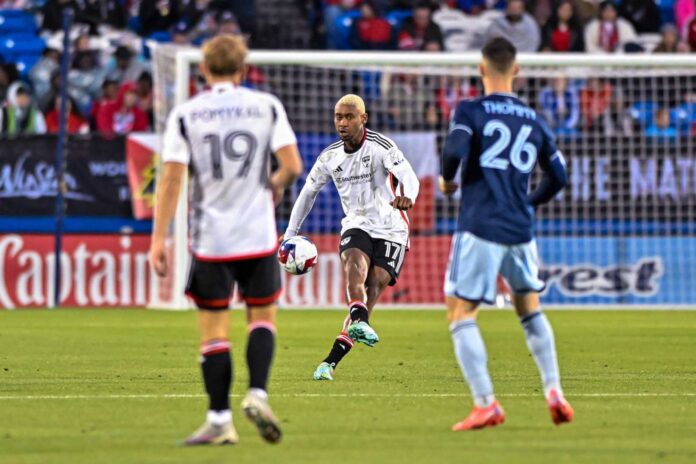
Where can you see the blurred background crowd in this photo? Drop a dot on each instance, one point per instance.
(110, 79)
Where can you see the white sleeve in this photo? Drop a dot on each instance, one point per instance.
(175, 148)
(40, 123)
(395, 162)
(283, 134)
(316, 179)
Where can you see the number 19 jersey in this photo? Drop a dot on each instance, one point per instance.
(226, 136)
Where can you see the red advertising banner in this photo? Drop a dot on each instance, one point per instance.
(111, 270)
(97, 270)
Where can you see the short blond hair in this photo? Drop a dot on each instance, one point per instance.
(352, 100)
(224, 55)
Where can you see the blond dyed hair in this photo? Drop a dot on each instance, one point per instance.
(224, 55)
(352, 100)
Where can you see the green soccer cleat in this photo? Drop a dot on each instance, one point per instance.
(363, 333)
(324, 372)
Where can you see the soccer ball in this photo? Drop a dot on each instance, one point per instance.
(297, 255)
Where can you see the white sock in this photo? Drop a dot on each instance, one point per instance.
(261, 393)
(219, 417)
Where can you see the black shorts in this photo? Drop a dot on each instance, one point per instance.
(382, 253)
(211, 283)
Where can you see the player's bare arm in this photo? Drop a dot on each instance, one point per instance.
(168, 188)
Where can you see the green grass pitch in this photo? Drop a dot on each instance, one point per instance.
(122, 386)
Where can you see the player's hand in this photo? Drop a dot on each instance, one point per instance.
(281, 238)
(158, 258)
(278, 193)
(402, 203)
(447, 187)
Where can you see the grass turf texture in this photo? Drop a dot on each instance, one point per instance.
(410, 387)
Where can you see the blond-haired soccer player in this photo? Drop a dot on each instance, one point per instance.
(376, 185)
(497, 140)
(222, 138)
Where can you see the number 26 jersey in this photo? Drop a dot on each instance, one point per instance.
(226, 136)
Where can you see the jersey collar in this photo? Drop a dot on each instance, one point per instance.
(362, 143)
(220, 87)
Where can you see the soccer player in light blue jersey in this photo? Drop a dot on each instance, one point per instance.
(498, 140)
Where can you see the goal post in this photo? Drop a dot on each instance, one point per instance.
(623, 234)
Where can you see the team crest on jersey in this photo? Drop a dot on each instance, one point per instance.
(366, 161)
(345, 241)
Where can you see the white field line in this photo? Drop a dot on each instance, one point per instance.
(344, 395)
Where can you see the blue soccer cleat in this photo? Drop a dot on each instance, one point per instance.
(363, 333)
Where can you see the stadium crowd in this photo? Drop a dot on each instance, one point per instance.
(110, 78)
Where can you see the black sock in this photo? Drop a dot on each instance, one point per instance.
(358, 311)
(217, 373)
(340, 348)
(260, 347)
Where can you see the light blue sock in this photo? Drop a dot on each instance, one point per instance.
(471, 355)
(541, 344)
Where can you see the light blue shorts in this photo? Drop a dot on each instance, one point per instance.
(474, 265)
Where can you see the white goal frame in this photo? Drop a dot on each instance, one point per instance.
(188, 56)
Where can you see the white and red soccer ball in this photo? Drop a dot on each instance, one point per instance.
(297, 255)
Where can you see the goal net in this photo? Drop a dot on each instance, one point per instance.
(622, 234)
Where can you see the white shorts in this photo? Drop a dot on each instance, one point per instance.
(474, 265)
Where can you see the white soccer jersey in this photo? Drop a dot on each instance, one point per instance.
(364, 182)
(226, 136)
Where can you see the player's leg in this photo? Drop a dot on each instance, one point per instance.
(210, 286)
(470, 279)
(355, 249)
(521, 269)
(259, 286)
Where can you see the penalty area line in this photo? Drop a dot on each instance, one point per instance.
(343, 395)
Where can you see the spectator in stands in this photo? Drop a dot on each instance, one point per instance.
(82, 43)
(517, 26)
(245, 14)
(684, 10)
(661, 125)
(690, 33)
(144, 91)
(670, 40)
(474, 7)
(644, 15)
(411, 105)
(20, 115)
(127, 67)
(371, 31)
(332, 10)
(608, 32)
(76, 124)
(595, 106)
(40, 73)
(158, 15)
(109, 94)
(563, 32)
(560, 105)
(227, 23)
(450, 92)
(123, 115)
(85, 79)
(453, 24)
(52, 13)
(420, 29)
(180, 33)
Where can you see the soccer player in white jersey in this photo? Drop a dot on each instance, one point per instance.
(496, 141)
(224, 137)
(376, 185)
